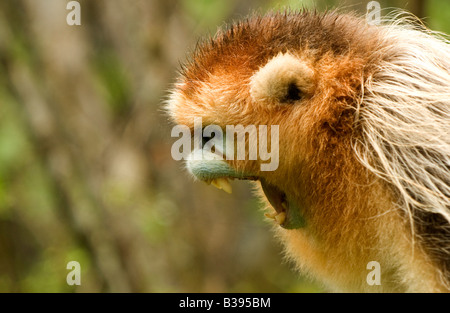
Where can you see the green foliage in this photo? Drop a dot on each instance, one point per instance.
(112, 81)
(439, 15)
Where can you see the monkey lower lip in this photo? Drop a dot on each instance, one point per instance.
(288, 214)
(276, 197)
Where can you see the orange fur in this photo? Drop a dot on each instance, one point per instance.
(351, 216)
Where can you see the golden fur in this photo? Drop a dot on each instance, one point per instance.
(352, 213)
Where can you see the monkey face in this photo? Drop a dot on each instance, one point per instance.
(276, 79)
(254, 114)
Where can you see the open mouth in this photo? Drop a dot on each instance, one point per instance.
(207, 167)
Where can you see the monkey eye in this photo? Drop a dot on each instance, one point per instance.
(293, 94)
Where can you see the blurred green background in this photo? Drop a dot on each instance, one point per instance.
(85, 167)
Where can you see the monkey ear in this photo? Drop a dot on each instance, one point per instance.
(284, 79)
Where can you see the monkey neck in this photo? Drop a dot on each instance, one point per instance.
(351, 220)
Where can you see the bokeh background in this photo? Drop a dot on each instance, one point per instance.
(85, 167)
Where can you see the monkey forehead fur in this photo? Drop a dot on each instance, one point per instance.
(364, 147)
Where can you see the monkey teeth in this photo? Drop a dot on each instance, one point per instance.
(223, 184)
(271, 215)
(278, 217)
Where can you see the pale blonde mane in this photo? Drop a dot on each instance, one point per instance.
(404, 116)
